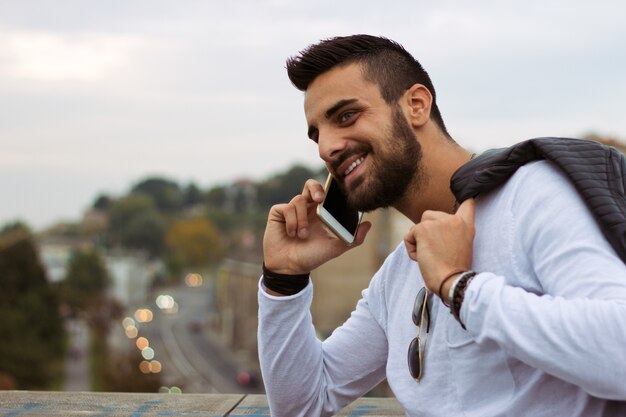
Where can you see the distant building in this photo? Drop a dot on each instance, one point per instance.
(55, 253)
(131, 276)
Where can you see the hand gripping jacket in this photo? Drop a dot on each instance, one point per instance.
(597, 172)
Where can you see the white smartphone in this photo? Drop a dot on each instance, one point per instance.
(336, 214)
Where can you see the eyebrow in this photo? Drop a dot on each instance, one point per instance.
(331, 111)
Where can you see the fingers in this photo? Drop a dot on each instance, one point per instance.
(410, 242)
(313, 191)
(296, 212)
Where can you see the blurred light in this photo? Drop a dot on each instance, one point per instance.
(193, 280)
(142, 343)
(143, 315)
(144, 367)
(128, 322)
(155, 367)
(170, 390)
(147, 353)
(244, 378)
(165, 302)
(131, 332)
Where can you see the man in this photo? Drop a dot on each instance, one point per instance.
(537, 294)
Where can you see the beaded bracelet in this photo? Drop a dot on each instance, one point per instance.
(284, 284)
(458, 294)
(443, 282)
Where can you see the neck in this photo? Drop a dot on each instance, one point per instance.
(432, 190)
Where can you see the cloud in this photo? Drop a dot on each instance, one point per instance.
(45, 56)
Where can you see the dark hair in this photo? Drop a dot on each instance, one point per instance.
(384, 61)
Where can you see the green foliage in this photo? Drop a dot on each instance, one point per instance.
(31, 329)
(216, 197)
(195, 242)
(124, 210)
(283, 187)
(144, 219)
(86, 281)
(103, 202)
(145, 232)
(166, 194)
(135, 223)
(192, 195)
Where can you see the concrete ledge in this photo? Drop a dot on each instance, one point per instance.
(106, 404)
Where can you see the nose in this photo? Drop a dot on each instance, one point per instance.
(330, 145)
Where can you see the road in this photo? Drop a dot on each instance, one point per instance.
(190, 354)
(77, 377)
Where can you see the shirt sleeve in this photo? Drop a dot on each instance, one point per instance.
(304, 376)
(575, 328)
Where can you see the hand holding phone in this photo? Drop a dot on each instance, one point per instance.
(337, 214)
(297, 238)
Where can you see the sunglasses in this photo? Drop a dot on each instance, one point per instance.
(421, 318)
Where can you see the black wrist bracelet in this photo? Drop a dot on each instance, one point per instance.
(284, 284)
(459, 295)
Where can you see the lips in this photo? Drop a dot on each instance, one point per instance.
(349, 164)
(353, 165)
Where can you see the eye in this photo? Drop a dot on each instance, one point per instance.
(346, 116)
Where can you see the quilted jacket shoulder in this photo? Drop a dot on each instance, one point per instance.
(597, 172)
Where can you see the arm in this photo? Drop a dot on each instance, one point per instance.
(303, 376)
(306, 377)
(576, 330)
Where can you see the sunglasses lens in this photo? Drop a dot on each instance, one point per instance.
(415, 359)
(418, 307)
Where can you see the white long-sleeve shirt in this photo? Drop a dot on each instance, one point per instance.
(545, 318)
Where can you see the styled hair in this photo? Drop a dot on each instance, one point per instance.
(384, 62)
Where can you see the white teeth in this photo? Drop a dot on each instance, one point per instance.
(353, 165)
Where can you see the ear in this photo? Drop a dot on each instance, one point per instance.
(418, 101)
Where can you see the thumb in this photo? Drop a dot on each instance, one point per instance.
(466, 211)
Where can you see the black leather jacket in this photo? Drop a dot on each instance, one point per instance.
(597, 171)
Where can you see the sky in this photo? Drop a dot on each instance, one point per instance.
(97, 95)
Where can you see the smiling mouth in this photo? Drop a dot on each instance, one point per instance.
(353, 165)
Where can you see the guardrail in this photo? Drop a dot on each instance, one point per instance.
(107, 404)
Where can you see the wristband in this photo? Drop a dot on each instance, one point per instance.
(449, 276)
(284, 284)
(458, 294)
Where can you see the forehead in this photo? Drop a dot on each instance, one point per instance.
(345, 82)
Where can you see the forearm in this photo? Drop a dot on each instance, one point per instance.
(579, 340)
(302, 375)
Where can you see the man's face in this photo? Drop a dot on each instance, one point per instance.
(367, 144)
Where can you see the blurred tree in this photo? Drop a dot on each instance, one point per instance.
(87, 279)
(145, 232)
(103, 202)
(216, 197)
(192, 195)
(166, 194)
(31, 328)
(283, 187)
(136, 224)
(123, 374)
(196, 242)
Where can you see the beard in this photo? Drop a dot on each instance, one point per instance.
(393, 169)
